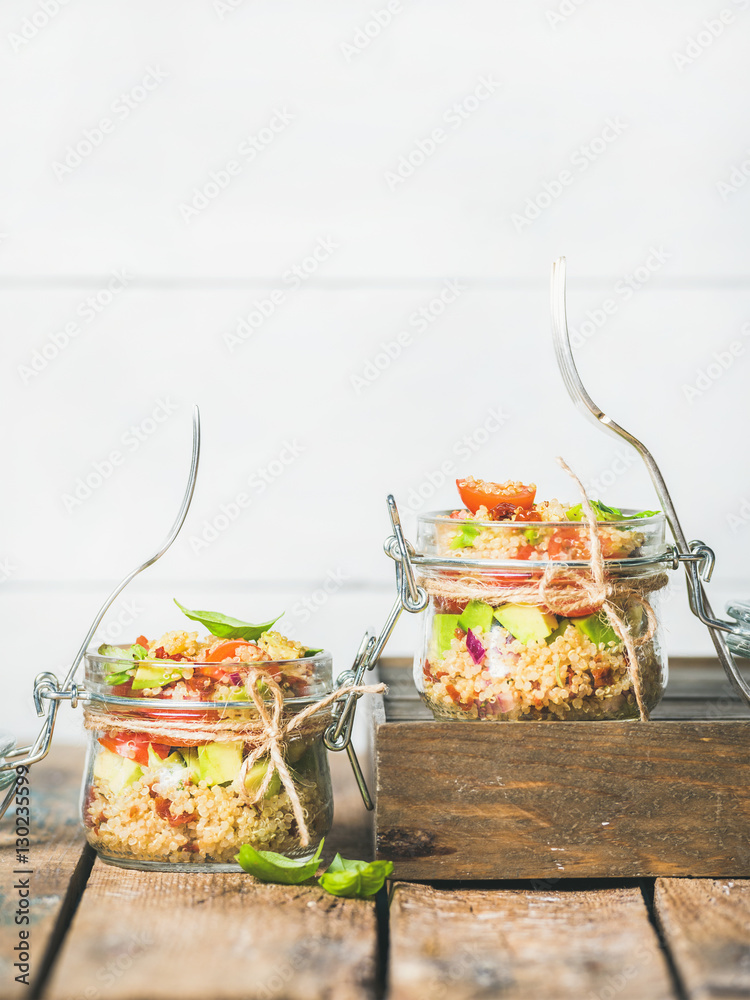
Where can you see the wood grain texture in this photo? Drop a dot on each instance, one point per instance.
(195, 935)
(56, 844)
(706, 925)
(610, 799)
(162, 935)
(524, 945)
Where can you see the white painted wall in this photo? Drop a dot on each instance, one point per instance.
(157, 98)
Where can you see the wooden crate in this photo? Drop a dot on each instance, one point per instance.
(553, 801)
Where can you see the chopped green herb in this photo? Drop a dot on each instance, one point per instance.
(114, 679)
(465, 538)
(312, 652)
(605, 513)
(225, 627)
(135, 652)
(271, 867)
(355, 879)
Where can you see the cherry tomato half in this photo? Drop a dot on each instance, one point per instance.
(476, 493)
(225, 651)
(134, 746)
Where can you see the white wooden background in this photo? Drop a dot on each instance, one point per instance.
(173, 171)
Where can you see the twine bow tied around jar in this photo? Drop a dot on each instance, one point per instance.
(267, 734)
(570, 591)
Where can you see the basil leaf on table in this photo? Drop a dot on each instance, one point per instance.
(271, 867)
(225, 627)
(355, 879)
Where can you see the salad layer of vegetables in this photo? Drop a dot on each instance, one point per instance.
(493, 650)
(506, 521)
(513, 662)
(179, 666)
(161, 804)
(172, 795)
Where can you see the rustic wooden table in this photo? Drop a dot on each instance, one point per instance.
(101, 932)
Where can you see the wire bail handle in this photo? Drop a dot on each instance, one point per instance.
(411, 598)
(47, 687)
(697, 557)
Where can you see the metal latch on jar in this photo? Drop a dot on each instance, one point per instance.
(410, 598)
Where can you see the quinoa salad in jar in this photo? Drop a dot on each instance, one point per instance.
(179, 771)
(517, 630)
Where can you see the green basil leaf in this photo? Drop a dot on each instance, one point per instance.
(340, 864)
(225, 627)
(355, 879)
(312, 652)
(271, 867)
(646, 513)
(465, 538)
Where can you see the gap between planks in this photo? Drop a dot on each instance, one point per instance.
(706, 926)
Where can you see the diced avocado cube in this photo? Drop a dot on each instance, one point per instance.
(190, 758)
(560, 630)
(295, 750)
(172, 760)
(218, 763)
(526, 622)
(443, 628)
(256, 774)
(306, 764)
(151, 675)
(597, 628)
(476, 614)
(116, 771)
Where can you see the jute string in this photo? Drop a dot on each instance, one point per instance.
(566, 591)
(268, 734)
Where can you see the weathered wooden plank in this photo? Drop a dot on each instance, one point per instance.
(192, 935)
(590, 799)
(56, 845)
(523, 945)
(706, 925)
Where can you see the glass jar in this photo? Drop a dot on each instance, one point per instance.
(168, 785)
(517, 627)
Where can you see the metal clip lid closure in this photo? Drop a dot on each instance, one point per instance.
(410, 598)
(48, 691)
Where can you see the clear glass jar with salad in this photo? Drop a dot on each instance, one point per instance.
(518, 628)
(180, 769)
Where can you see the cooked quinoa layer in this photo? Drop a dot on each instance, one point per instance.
(135, 825)
(537, 541)
(570, 678)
